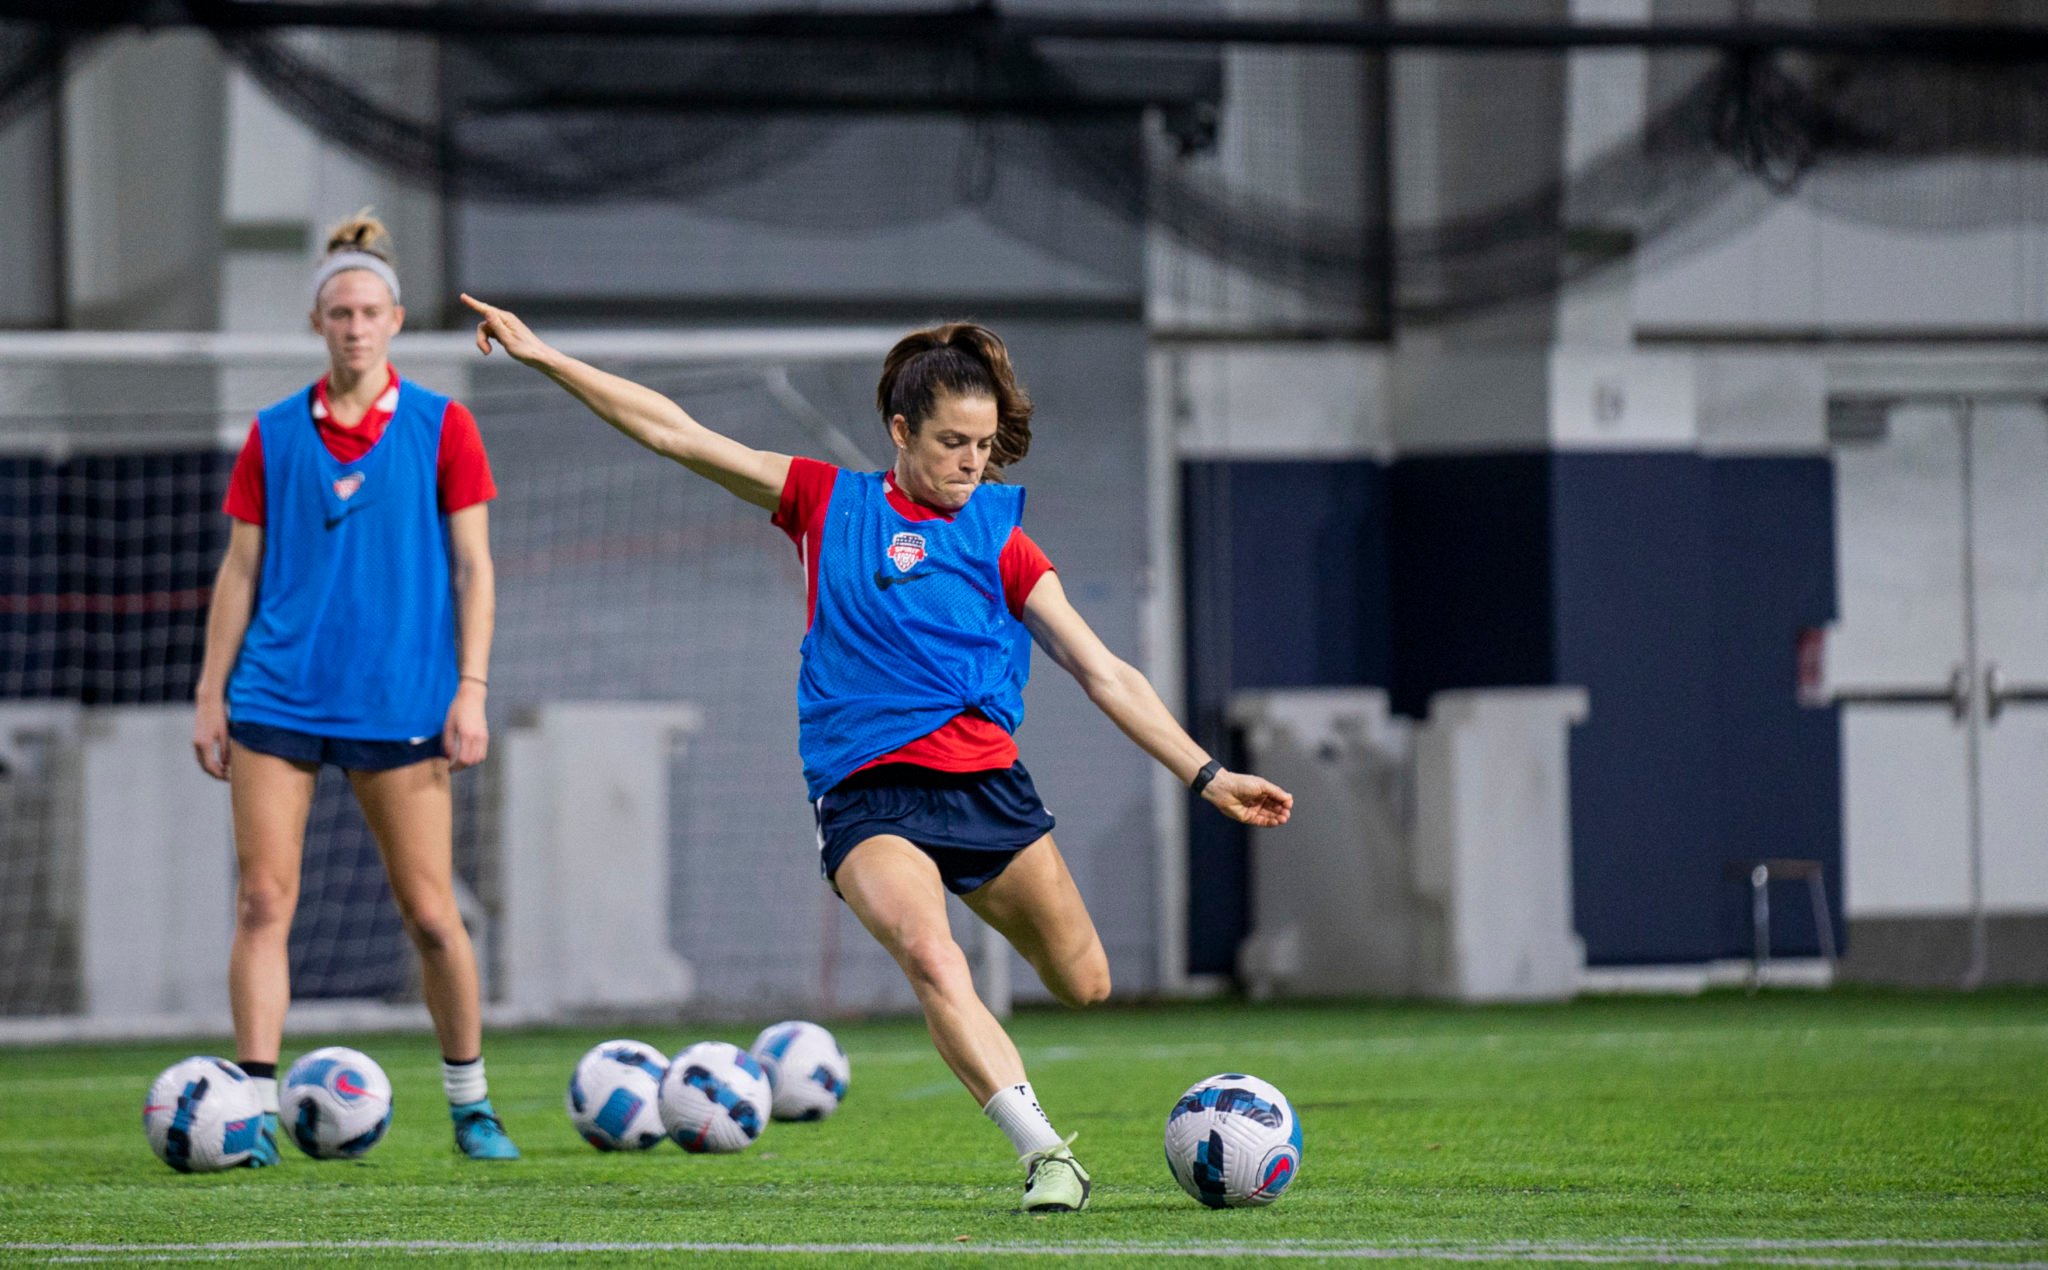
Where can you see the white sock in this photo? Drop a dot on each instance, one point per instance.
(1016, 1112)
(266, 1092)
(464, 1081)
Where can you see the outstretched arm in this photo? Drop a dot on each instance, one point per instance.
(640, 412)
(1127, 697)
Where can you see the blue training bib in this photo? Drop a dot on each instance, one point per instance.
(353, 633)
(910, 628)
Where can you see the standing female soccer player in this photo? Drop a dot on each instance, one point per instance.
(351, 624)
(924, 596)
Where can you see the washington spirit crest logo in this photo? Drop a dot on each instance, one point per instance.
(905, 550)
(345, 487)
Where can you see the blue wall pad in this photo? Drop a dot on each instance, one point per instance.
(1472, 593)
(1634, 602)
(1779, 765)
(1286, 585)
(1671, 585)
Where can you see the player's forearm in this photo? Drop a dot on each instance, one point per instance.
(476, 617)
(634, 409)
(227, 621)
(1131, 703)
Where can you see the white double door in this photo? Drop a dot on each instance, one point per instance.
(1940, 661)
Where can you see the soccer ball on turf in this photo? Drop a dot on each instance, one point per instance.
(615, 1095)
(807, 1070)
(335, 1103)
(202, 1115)
(714, 1097)
(1233, 1141)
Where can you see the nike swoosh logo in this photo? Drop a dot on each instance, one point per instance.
(884, 581)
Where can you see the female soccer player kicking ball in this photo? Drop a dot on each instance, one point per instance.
(351, 624)
(924, 596)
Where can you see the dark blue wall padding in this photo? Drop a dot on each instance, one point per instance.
(1634, 599)
(1779, 766)
(1286, 584)
(1471, 573)
(1683, 583)
(1672, 586)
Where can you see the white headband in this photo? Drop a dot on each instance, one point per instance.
(342, 262)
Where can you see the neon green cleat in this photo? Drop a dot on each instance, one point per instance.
(1054, 1181)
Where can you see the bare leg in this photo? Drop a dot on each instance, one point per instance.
(1036, 906)
(409, 812)
(895, 891)
(271, 797)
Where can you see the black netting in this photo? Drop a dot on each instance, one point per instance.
(31, 66)
(1899, 138)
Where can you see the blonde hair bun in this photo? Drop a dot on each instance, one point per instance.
(361, 232)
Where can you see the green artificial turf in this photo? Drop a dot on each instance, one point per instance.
(1790, 1129)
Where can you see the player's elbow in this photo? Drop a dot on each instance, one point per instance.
(471, 570)
(675, 445)
(676, 436)
(239, 567)
(1110, 684)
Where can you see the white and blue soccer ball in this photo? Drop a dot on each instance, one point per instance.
(335, 1103)
(715, 1098)
(1233, 1141)
(614, 1095)
(807, 1070)
(202, 1115)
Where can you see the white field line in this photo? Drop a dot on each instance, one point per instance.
(1677, 1043)
(1710, 1252)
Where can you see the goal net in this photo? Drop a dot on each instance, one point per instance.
(625, 589)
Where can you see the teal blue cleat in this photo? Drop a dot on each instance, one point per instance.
(479, 1132)
(265, 1153)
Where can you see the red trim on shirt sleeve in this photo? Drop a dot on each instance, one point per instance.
(805, 491)
(1022, 564)
(463, 471)
(245, 484)
(800, 513)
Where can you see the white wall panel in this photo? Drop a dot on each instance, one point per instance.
(1852, 253)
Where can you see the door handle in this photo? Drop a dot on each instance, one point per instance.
(1997, 692)
(1955, 694)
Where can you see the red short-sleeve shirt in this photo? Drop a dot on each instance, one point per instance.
(969, 742)
(463, 471)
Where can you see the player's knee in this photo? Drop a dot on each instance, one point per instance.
(934, 962)
(264, 905)
(434, 929)
(1086, 986)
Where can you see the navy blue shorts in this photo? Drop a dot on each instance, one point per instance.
(972, 824)
(342, 752)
